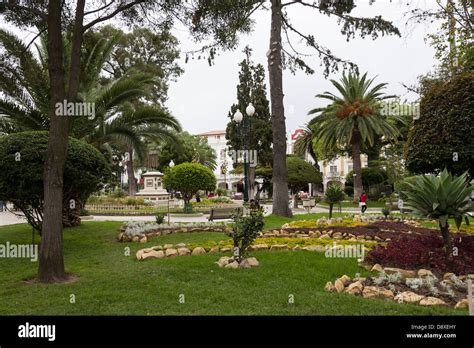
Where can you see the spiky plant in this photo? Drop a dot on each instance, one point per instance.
(441, 197)
(334, 194)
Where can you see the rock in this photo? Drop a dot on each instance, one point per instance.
(299, 235)
(345, 280)
(352, 239)
(168, 246)
(355, 288)
(214, 250)
(377, 292)
(447, 276)
(296, 248)
(462, 304)
(120, 237)
(171, 252)
(337, 235)
(325, 236)
(258, 247)
(339, 285)
(140, 254)
(233, 265)
(377, 268)
(253, 262)
(158, 247)
(135, 239)
(199, 251)
(424, 273)
(153, 255)
(378, 239)
(244, 264)
(225, 250)
(279, 247)
(405, 273)
(317, 234)
(432, 301)
(224, 260)
(180, 245)
(408, 297)
(329, 287)
(183, 251)
(319, 248)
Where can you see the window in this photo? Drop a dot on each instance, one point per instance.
(333, 170)
(349, 168)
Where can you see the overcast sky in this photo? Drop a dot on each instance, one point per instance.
(202, 96)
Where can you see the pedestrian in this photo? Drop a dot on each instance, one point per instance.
(363, 202)
(2, 206)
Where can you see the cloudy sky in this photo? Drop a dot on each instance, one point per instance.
(202, 96)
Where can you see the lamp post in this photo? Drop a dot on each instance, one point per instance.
(243, 128)
(171, 165)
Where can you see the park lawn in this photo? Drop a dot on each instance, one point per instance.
(111, 283)
(275, 221)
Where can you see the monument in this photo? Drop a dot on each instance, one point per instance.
(153, 188)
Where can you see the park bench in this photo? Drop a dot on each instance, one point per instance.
(223, 213)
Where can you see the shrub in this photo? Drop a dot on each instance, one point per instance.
(386, 212)
(189, 178)
(160, 218)
(245, 230)
(425, 251)
(21, 178)
(349, 190)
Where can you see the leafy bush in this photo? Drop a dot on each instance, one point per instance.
(189, 178)
(370, 176)
(425, 251)
(160, 218)
(245, 230)
(386, 212)
(22, 158)
(349, 190)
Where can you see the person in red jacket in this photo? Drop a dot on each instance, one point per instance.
(363, 202)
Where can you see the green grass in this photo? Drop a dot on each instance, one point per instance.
(111, 283)
(274, 221)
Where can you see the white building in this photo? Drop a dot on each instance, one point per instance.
(217, 141)
(332, 171)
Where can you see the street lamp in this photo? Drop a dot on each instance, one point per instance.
(171, 165)
(243, 128)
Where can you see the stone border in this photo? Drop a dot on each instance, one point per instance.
(359, 287)
(124, 237)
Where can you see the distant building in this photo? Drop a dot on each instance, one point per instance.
(217, 141)
(334, 171)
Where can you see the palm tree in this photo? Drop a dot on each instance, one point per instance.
(334, 195)
(441, 197)
(305, 144)
(353, 119)
(120, 120)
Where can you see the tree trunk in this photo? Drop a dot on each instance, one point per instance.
(356, 165)
(331, 205)
(280, 172)
(51, 260)
(132, 181)
(295, 200)
(448, 242)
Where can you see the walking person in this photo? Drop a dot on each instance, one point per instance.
(363, 202)
(3, 207)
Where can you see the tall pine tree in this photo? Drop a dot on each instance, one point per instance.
(252, 89)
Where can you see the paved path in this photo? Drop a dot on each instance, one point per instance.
(7, 218)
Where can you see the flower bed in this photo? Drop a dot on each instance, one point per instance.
(426, 250)
(420, 287)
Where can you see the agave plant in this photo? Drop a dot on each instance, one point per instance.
(334, 194)
(441, 197)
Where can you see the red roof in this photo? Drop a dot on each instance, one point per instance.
(216, 132)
